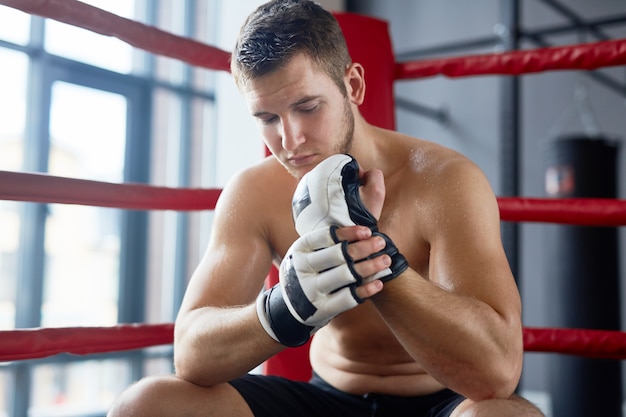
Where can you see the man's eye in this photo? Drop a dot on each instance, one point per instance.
(269, 120)
(308, 109)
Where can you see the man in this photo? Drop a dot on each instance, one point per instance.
(442, 337)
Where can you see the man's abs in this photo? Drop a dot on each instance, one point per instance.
(367, 361)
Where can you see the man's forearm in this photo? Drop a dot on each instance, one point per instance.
(460, 341)
(215, 345)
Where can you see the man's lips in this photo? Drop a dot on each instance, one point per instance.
(301, 160)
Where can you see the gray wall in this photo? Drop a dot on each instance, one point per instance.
(474, 108)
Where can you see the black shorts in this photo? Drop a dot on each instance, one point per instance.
(271, 396)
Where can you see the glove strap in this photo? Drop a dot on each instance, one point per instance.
(278, 322)
(398, 261)
(351, 183)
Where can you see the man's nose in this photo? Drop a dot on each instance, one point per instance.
(292, 135)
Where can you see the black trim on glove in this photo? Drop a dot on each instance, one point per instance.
(350, 181)
(398, 261)
(360, 215)
(289, 331)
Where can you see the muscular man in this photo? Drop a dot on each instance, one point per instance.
(442, 337)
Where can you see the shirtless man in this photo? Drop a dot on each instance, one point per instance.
(443, 338)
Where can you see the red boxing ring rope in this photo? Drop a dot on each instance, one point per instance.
(137, 34)
(44, 188)
(37, 343)
(588, 56)
(40, 343)
(577, 211)
(598, 344)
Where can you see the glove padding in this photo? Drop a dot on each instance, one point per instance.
(328, 195)
(317, 282)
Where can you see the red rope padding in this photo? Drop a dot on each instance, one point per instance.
(40, 343)
(42, 188)
(578, 211)
(599, 344)
(134, 33)
(574, 57)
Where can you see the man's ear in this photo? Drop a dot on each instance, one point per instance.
(355, 83)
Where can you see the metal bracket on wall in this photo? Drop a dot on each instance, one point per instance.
(438, 114)
(579, 25)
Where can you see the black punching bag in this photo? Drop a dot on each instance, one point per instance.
(582, 268)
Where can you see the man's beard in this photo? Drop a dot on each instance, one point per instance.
(345, 146)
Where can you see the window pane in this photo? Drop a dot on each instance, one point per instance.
(159, 366)
(9, 244)
(166, 139)
(102, 51)
(14, 25)
(203, 173)
(82, 244)
(166, 147)
(12, 108)
(84, 388)
(4, 389)
(87, 133)
(171, 19)
(206, 25)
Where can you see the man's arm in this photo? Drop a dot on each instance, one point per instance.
(218, 334)
(463, 324)
(217, 312)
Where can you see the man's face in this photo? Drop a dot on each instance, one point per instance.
(301, 114)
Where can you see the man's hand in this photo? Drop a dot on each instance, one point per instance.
(330, 195)
(319, 280)
(335, 264)
(372, 190)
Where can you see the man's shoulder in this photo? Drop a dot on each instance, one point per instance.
(257, 182)
(265, 172)
(426, 171)
(424, 159)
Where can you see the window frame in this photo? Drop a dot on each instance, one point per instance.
(139, 89)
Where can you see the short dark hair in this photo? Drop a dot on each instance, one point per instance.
(280, 29)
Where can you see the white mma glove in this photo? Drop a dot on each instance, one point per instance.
(317, 282)
(328, 195)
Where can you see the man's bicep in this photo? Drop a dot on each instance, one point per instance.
(466, 251)
(235, 263)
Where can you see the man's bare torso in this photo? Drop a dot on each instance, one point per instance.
(357, 352)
